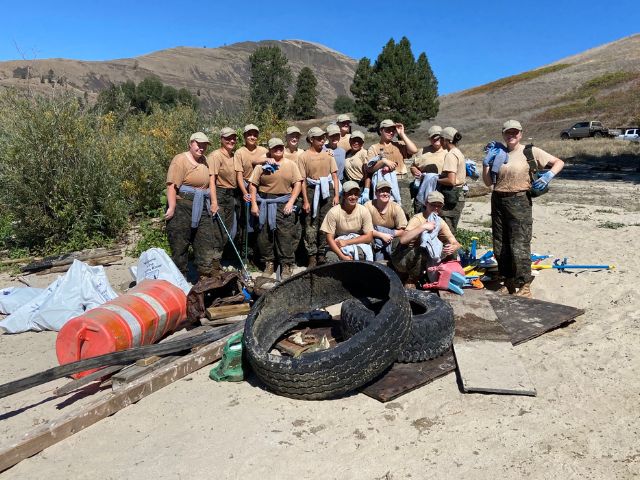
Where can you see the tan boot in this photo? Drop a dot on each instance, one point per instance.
(508, 288)
(524, 291)
(268, 269)
(312, 261)
(287, 271)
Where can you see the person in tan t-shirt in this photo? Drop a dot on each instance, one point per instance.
(389, 220)
(452, 178)
(356, 159)
(226, 189)
(344, 122)
(279, 235)
(430, 161)
(408, 257)
(351, 220)
(317, 166)
(190, 180)
(292, 140)
(393, 155)
(511, 212)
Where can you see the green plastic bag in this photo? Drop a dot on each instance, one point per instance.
(229, 368)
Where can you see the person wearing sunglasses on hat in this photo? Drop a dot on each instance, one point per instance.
(511, 206)
(191, 201)
(389, 220)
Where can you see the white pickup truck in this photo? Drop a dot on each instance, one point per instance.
(632, 134)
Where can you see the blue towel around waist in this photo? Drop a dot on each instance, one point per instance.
(200, 196)
(269, 209)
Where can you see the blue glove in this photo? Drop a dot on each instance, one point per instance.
(364, 198)
(269, 168)
(543, 181)
(472, 169)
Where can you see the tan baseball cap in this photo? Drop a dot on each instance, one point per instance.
(387, 123)
(350, 185)
(448, 133)
(435, 197)
(251, 126)
(227, 132)
(293, 129)
(510, 124)
(333, 129)
(382, 184)
(199, 137)
(315, 132)
(434, 130)
(343, 118)
(274, 142)
(357, 134)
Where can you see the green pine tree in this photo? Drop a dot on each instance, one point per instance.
(270, 80)
(303, 105)
(396, 86)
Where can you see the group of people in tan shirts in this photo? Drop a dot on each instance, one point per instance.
(344, 201)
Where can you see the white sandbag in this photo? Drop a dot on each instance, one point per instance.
(156, 264)
(12, 298)
(80, 289)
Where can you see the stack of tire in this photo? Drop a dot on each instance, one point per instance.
(382, 323)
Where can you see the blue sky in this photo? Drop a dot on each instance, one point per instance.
(468, 43)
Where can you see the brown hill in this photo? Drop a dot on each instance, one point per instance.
(600, 84)
(219, 76)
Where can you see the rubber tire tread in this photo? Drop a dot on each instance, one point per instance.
(431, 333)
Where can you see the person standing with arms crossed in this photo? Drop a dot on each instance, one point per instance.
(511, 207)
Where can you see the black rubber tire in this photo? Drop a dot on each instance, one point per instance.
(432, 325)
(597, 135)
(564, 136)
(350, 364)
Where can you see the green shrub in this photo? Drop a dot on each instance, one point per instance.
(465, 236)
(513, 79)
(343, 104)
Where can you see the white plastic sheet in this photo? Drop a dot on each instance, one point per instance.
(12, 298)
(156, 264)
(80, 289)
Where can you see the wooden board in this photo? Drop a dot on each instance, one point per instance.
(72, 422)
(512, 312)
(486, 359)
(225, 311)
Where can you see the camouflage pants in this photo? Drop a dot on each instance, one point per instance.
(227, 213)
(314, 240)
(282, 242)
(181, 235)
(410, 260)
(511, 225)
(452, 215)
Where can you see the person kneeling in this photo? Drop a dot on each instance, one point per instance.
(348, 228)
(425, 243)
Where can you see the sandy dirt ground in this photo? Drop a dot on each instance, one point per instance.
(584, 423)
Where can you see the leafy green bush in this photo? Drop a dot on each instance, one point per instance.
(343, 104)
(465, 236)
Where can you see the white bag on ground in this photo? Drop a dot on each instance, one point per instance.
(80, 289)
(12, 298)
(156, 264)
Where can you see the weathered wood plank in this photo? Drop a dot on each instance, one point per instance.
(484, 354)
(72, 422)
(225, 311)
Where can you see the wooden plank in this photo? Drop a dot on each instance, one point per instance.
(225, 311)
(81, 382)
(484, 354)
(72, 422)
(514, 313)
(222, 321)
(123, 378)
(402, 378)
(145, 362)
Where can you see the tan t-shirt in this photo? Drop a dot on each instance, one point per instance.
(280, 182)
(444, 235)
(183, 172)
(354, 164)
(244, 158)
(394, 151)
(394, 217)
(314, 164)
(454, 162)
(294, 156)
(344, 142)
(338, 222)
(430, 161)
(514, 175)
(223, 165)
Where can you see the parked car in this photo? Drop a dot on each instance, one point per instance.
(584, 130)
(632, 134)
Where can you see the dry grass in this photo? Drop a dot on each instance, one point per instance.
(513, 79)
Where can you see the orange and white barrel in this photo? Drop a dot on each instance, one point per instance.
(142, 316)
